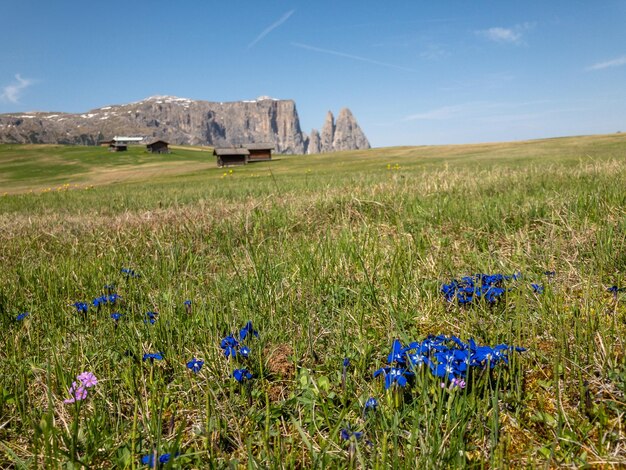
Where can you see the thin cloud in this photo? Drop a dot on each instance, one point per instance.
(13, 92)
(472, 110)
(502, 35)
(349, 56)
(609, 63)
(271, 28)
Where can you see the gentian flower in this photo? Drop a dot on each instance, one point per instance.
(195, 365)
(151, 317)
(21, 316)
(229, 345)
(470, 288)
(116, 316)
(153, 356)
(130, 273)
(244, 351)
(393, 375)
(615, 290)
(537, 288)
(371, 404)
(241, 374)
(151, 462)
(187, 304)
(81, 307)
(87, 379)
(397, 353)
(347, 433)
(246, 330)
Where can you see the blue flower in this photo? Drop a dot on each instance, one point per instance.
(242, 374)
(393, 375)
(130, 272)
(347, 433)
(21, 316)
(371, 404)
(81, 307)
(116, 316)
(187, 303)
(195, 365)
(614, 290)
(113, 298)
(150, 461)
(229, 345)
(246, 330)
(346, 362)
(550, 273)
(153, 356)
(480, 286)
(244, 351)
(151, 317)
(537, 288)
(397, 354)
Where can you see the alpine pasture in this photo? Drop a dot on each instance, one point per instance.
(303, 313)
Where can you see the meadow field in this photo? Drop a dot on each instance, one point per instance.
(301, 313)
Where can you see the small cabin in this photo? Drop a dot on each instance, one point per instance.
(231, 156)
(115, 147)
(105, 143)
(160, 146)
(260, 152)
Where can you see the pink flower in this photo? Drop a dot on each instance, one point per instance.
(460, 383)
(78, 393)
(88, 379)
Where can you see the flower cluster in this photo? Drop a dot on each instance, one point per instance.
(104, 299)
(151, 460)
(81, 307)
(479, 286)
(151, 317)
(78, 390)
(446, 357)
(234, 348)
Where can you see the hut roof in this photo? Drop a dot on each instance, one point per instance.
(260, 146)
(230, 151)
(157, 142)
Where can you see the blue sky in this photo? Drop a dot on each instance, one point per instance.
(412, 72)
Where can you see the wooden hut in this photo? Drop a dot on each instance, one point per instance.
(260, 152)
(115, 147)
(160, 146)
(231, 156)
(105, 143)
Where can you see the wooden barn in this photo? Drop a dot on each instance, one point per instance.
(231, 156)
(160, 146)
(115, 147)
(260, 152)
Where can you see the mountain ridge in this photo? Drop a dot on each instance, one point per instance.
(181, 121)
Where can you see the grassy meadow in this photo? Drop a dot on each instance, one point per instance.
(331, 257)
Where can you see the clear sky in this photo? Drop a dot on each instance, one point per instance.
(412, 72)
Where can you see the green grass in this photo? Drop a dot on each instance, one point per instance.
(330, 256)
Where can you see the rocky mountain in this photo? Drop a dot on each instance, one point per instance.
(185, 122)
(343, 134)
